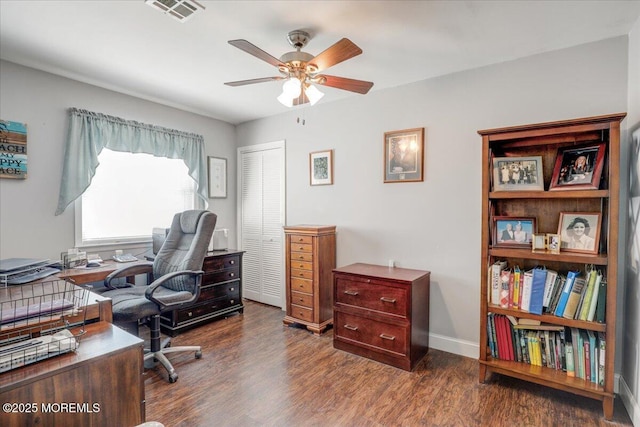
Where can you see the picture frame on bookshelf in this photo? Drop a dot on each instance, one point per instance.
(518, 174)
(539, 242)
(404, 155)
(578, 168)
(553, 243)
(321, 167)
(509, 231)
(579, 232)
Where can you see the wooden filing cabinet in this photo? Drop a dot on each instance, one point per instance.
(310, 259)
(220, 294)
(382, 313)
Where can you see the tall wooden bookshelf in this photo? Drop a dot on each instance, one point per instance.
(545, 139)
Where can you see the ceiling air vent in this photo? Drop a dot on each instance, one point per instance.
(178, 9)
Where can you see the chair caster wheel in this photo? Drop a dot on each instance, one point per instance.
(173, 378)
(199, 354)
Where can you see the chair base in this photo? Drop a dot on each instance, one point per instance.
(159, 356)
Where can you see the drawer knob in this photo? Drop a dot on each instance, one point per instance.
(386, 299)
(301, 274)
(301, 240)
(232, 289)
(232, 301)
(189, 314)
(301, 247)
(368, 280)
(387, 337)
(352, 293)
(232, 262)
(350, 327)
(301, 299)
(300, 257)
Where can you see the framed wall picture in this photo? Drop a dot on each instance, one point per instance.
(513, 231)
(404, 155)
(321, 167)
(217, 177)
(518, 174)
(579, 231)
(578, 168)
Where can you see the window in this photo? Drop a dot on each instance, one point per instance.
(129, 195)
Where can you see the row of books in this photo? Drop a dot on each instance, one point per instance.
(574, 295)
(578, 352)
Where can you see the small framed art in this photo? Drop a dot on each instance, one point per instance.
(518, 174)
(321, 167)
(578, 168)
(404, 155)
(217, 177)
(539, 242)
(553, 243)
(579, 231)
(513, 231)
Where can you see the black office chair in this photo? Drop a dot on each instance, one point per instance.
(177, 276)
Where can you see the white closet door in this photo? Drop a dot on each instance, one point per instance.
(261, 217)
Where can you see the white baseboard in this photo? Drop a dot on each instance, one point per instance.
(455, 346)
(631, 402)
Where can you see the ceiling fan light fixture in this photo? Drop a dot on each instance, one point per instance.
(292, 87)
(313, 94)
(286, 100)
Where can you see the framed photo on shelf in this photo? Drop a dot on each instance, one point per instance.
(217, 177)
(539, 242)
(579, 232)
(404, 155)
(578, 168)
(321, 167)
(509, 231)
(553, 243)
(518, 174)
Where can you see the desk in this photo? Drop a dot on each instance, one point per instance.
(106, 370)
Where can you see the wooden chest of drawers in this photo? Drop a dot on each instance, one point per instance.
(221, 293)
(382, 313)
(310, 258)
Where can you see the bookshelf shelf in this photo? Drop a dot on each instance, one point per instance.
(546, 140)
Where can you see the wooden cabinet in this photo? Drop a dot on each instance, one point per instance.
(310, 257)
(382, 313)
(220, 295)
(546, 140)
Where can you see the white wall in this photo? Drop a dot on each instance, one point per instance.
(433, 225)
(630, 384)
(28, 227)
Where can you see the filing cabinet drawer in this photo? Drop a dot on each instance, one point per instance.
(305, 300)
(302, 285)
(371, 333)
(231, 289)
(369, 294)
(213, 264)
(221, 276)
(304, 274)
(200, 310)
(302, 313)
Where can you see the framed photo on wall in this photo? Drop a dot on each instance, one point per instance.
(217, 177)
(321, 167)
(512, 231)
(579, 231)
(404, 155)
(518, 174)
(578, 168)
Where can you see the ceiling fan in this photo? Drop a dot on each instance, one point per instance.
(301, 70)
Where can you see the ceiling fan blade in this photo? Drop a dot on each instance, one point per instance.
(255, 51)
(358, 86)
(302, 99)
(252, 81)
(340, 51)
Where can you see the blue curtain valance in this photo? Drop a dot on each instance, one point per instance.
(90, 132)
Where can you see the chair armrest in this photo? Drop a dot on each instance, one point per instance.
(157, 283)
(129, 270)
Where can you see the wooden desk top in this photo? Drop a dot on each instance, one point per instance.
(82, 276)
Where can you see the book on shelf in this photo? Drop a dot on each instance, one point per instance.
(585, 306)
(540, 327)
(593, 357)
(575, 341)
(566, 290)
(557, 292)
(594, 299)
(569, 359)
(587, 355)
(505, 278)
(602, 346)
(526, 290)
(496, 269)
(549, 285)
(602, 301)
(525, 321)
(516, 287)
(538, 280)
(574, 298)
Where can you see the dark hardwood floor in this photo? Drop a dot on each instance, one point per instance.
(257, 372)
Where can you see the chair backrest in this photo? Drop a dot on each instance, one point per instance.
(185, 247)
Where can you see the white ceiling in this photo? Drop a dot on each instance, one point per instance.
(132, 48)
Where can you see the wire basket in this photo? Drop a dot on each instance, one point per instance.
(36, 321)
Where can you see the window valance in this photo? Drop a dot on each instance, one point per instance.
(90, 132)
